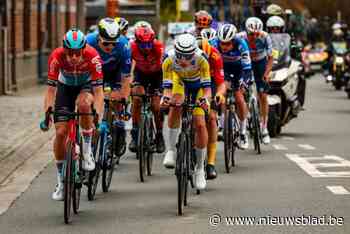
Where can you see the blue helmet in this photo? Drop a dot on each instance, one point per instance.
(74, 39)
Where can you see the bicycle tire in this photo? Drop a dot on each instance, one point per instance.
(228, 140)
(235, 138)
(68, 182)
(256, 127)
(151, 143)
(95, 174)
(141, 150)
(76, 198)
(181, 175)
(108, 167)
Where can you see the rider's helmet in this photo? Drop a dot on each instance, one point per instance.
(227, 32)
(185, 46)
(123, 24)
(254, 25)
(336, 26)
(74, 39)
(144, 37)
(142, 23)
(108, 29)
(208, 33)
(202, 19)
(274, 9)
(275, 24)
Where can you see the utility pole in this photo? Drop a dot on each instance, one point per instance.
(112, 8)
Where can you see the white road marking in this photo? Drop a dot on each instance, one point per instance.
(288, 138)
(306, 147)
(339, 190)
(311, 168)
(279, 147)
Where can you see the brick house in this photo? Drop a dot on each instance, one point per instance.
(29, 30)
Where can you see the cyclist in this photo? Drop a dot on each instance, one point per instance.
(186, 72)
(237, 71)
(116, 65)
(260, 46)
(208, 33)
(218, 90)
(202, 20)
(147, 54)
(74, 78)
(123, 25)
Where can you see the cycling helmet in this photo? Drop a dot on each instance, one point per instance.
(254, 25)
(186, 44)
(208, 33)
(144, 35)
(274, 9)
(74, 39)
(108, 29)
(123, 23)
(227, 32)
(143, 23)
(275, 21)
(336, 26)
(203, 19)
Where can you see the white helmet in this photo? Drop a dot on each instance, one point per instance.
(108, 29)
(254, 25)
(274, 9)
(227, 32)
(186, 44)
(336, 26)
(208, 33)
(275, 21)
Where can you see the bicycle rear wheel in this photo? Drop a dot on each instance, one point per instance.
(181, 174)
(95, 174)
(68, 182)
(141, 150)
(108, 163)
(228, 140)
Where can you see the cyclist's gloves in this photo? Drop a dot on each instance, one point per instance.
(46, 122)
(164, 101)
(204, 103)
(247, 78)
(103, 127)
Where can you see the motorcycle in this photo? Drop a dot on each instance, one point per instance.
(313, 58)
(287, 86)
(339, 75)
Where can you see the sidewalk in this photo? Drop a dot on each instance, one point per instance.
(20, 135)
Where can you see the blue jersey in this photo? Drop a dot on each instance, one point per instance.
(238, 58)
(119, 58)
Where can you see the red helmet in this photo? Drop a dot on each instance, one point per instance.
(202, 19)
(144, 35)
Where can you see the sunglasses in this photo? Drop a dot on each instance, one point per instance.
(184, 56)
(108, 43)
(72, 52)
(145, 45)
(228, 43)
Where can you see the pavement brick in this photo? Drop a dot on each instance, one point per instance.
(20, 135)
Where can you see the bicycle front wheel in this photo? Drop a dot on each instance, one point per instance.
(108, 165)
(141, 150)
(68, 182)
(181, 173)
(228, 140)
(95, 174)
(256, 127)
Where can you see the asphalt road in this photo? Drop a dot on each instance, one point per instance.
(289, 181)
